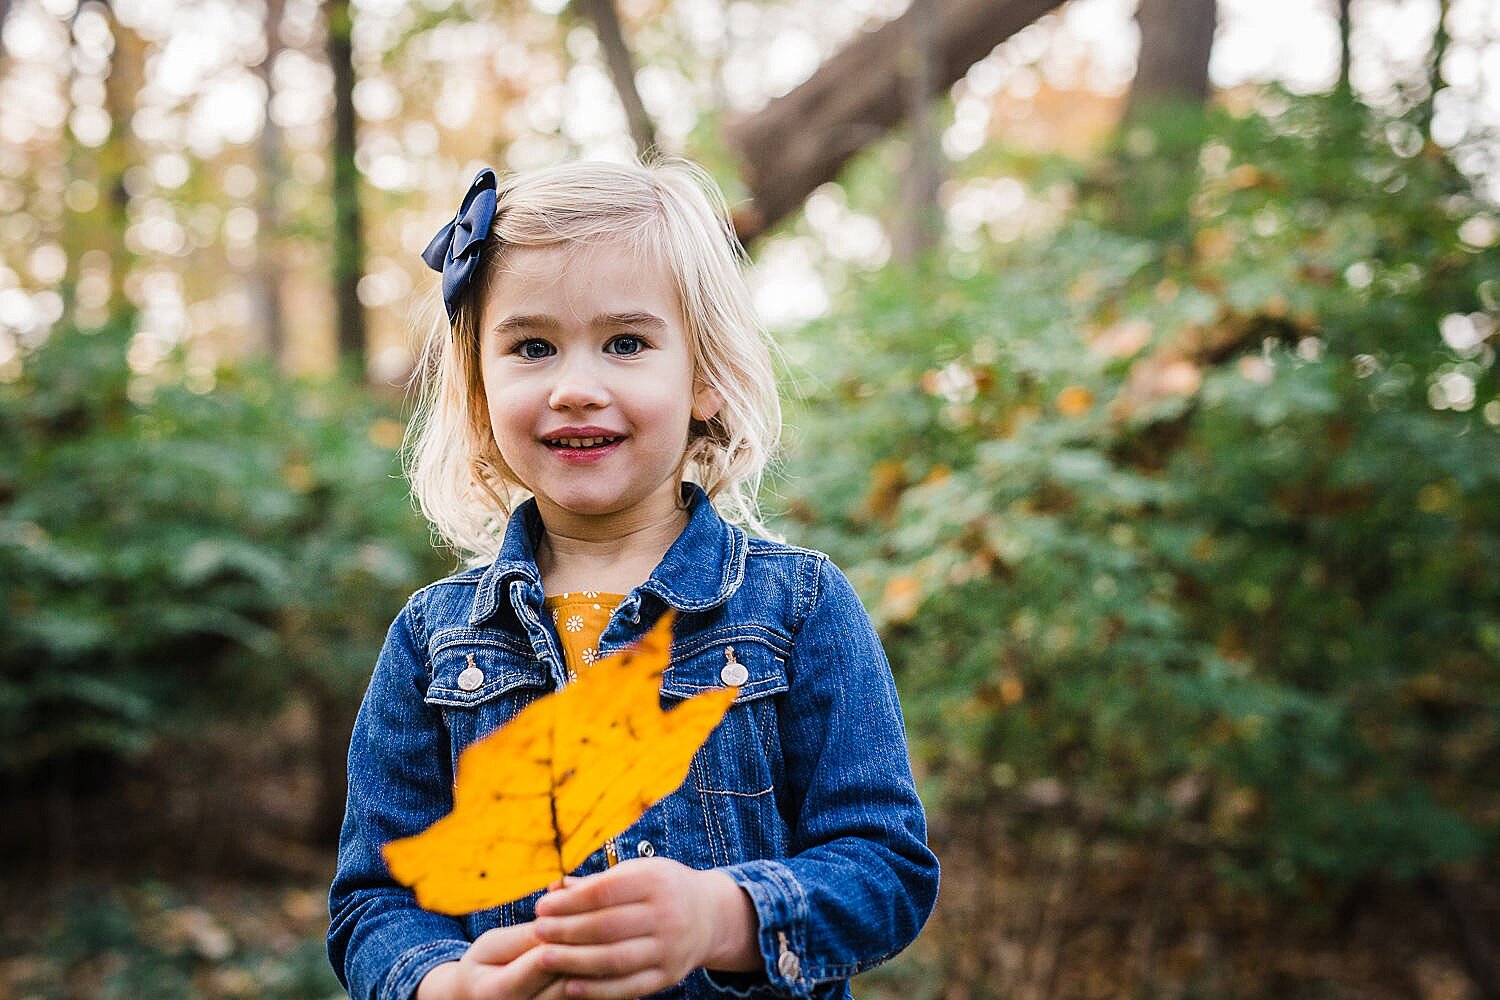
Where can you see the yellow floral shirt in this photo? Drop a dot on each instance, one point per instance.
(580, 618)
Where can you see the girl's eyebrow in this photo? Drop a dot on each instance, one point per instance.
(634, 319)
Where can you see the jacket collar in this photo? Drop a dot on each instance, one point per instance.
(703, 567)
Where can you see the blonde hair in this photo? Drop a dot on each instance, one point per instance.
(669, 209)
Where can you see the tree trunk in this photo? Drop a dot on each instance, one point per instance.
(921, 221)
(100, 230)
(266, 305)
(606, 21)
(1149, 179)
(348, 238)
(804, 138)
(4, 16)
(1346, 26)
(70, 227)
(1440, 40)
(1177, 37)
(121, 85)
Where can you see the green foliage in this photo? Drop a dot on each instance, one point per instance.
(170, 556)
(1192, 523)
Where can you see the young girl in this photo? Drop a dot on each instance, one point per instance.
(599, 393)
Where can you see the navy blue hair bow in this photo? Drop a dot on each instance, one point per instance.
(455, 249)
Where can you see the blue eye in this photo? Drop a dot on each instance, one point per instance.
(533, 349)
(626, 345)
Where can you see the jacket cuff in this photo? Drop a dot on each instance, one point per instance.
(781, 907)
(406, 974)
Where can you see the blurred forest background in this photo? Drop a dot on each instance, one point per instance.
(1141, 367)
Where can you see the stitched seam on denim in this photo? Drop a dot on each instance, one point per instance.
(408, 959)
(734, 572)
(813, 569)
(758, 878)
(714, 814)
(847, 970)
(665, 845)
(508, 677)
(736, 565)
(790, 889)
(793, 888)
(485, 695)
(737, 632)
(774, 682)
(416, 613)
(749, 993)
(748, 692)
(767, 547)
(743, 795)
(766, 724)
(541, 647)
(708, 827)
(465, 636)
(488, 599)
(754, 990)
(708, 824)
(799, 929)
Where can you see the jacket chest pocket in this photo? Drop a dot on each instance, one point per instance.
(480, 683)
(735, 775)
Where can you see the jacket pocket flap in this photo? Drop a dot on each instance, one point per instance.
(754, 660)
(468, 671)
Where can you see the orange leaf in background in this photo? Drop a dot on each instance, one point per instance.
(887, 482)
(902, 598)
(536, 797)
(1074, 401)
(1245, 175)
(1213, 243)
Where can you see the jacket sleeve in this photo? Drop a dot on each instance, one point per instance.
(860, 880)
(380, 942)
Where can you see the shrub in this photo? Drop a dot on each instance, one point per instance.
(1201, 540)
(170, 556)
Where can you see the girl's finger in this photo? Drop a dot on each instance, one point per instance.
(503, 944)
(624, 988)
(553, 991)
(617, 923)
(600, 961)
(524, 977)
(627, 882)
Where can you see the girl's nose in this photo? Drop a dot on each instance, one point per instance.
(578, 384)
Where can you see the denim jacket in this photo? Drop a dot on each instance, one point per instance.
(803, 794)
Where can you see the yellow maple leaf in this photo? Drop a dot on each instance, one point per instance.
(536, 797)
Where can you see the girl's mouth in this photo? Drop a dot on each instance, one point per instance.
(582, 444)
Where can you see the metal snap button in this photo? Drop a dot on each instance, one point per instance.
(789, 965)
(734, 673)
(645, 850)
(470, 677)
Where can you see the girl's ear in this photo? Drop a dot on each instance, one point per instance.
(706, 401)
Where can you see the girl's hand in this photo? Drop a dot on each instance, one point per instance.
(642, 926)
(501, 964)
